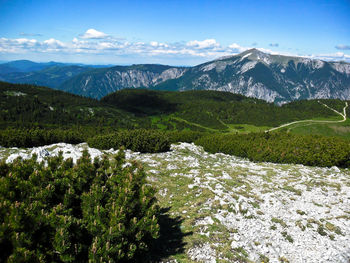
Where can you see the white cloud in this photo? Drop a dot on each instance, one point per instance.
(93, 34)
(110, 47)
(333, 56)
(235, 48)
(207, 43)
(18, 45)
(54, 43)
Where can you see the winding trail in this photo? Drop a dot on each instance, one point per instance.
(315, 121)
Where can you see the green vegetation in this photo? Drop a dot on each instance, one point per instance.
(281, 147)
(98, 212)
(32, 106)
(341, 129)
(135, 140)
(287, 237)
(231, 123)
(36, 137)
(216, 110)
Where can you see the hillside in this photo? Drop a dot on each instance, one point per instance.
(215, 110)
(273, 78)
(252, 73)
(216, 206)
(51, 76)
(27, 106)
(206, 111)
(100, 82)
(25, 66)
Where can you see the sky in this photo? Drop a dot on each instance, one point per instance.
(173, 32)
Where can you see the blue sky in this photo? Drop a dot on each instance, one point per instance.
(182, 32)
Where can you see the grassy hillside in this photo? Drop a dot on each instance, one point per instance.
(212, 110)
(203, 110)
(28, 106)
(33, 116)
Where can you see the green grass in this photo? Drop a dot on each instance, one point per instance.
(246, 128)
(341, 129)
(194, 124)
(157, 120)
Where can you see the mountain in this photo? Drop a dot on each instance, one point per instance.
(25, 66)
(51, 76)
(100, 82)
(273, 78)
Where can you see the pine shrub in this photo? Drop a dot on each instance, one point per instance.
(185, 136)
(150, 141)
(281, 147)
(100, 211)
(38, 137)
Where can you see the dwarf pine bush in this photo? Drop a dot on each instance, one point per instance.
(280, 147)
(100, 211)
(150, 141)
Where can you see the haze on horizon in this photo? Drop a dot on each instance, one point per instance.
(173, 32)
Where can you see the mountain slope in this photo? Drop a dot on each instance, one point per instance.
(273, 78)
(25, 66)
(197, 110)
(216, 110)
(100, 82)
(26, 106)
(52, 76)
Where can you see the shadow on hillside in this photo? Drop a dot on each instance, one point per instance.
(170, 241)
(141, 102)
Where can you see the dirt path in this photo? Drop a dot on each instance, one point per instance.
(314, 121)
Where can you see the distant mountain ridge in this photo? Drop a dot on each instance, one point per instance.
(100, 82)
(51, 74)
(273, 78)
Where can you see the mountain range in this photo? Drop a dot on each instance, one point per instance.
(273, 78)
